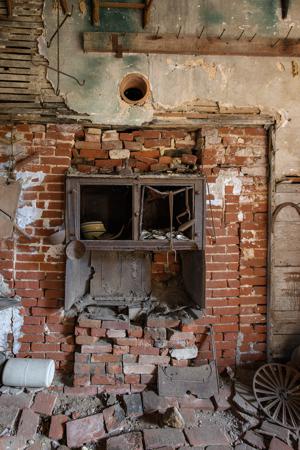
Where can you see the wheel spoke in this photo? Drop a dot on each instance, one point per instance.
(268, 398)
(265, 391)
(275, 375)
(270, 405)
(291, 412)
(283, 412)
(293, 380)
(270, 377)
(265, 383)
(276, 412)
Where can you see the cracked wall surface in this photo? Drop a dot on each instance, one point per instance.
(270, 84)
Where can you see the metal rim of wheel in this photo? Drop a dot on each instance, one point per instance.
(277, 390)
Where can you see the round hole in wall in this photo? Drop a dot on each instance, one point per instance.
(135, 89)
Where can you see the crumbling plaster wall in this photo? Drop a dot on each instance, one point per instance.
(267, 83)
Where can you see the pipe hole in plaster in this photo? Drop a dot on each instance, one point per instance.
(135, 89)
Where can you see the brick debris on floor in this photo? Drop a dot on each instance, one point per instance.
(83, 418)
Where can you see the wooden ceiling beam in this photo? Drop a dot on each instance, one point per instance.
(102, 42)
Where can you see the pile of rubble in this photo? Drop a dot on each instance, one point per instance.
(79, 418)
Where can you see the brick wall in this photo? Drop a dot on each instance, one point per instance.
(234, 161)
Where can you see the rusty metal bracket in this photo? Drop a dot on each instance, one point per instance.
(280, 207)
(79, 82)
(118, 49)
(69, 14)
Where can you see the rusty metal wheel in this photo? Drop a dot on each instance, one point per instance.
(277, 391)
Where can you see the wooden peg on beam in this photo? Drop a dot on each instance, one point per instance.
(10, 7)
(285, 8)
(65, 7)
(118, 49)
(146, 13)
(96, 12)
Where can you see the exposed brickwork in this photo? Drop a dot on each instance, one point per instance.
(234, 161)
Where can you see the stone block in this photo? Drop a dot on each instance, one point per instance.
(119, 154)
(139, 369)
(133, 405)
(153, 402)
(82, 431)
(110, 135)
(184, 353)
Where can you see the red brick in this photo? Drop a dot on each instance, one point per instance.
(86, 340)
(85, 430)
(89, 323)
(108, 163)
(28, 425)
(44, 403)
(57, 427)
(103, 379)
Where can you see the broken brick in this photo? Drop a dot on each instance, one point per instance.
(28, 425)
(206, 434)
(21, 401)
(82, 431)
(114, 417)
(157, 438)
(44, 403)
(57, 428)
(126, 441)
(255, 439)
(8, 416)
(277, 444)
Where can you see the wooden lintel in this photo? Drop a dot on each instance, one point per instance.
(122, 5)
(101, 42)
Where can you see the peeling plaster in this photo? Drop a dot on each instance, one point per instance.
(229, 177)
(28, 214)
(239, 342)
(54, 252)
(30, 179)
(211, 69)
(11, 320)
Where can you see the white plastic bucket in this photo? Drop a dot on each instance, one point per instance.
(33, 373)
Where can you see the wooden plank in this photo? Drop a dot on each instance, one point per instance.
(77, 286)
(288, 187)
(101, 42)
(286, 288)
(287, 244)
(119, 274)
(283, 345)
